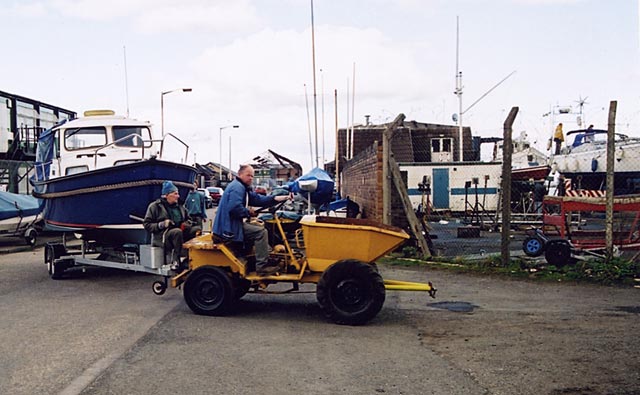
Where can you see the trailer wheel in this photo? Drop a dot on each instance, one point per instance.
(350, 292)
(209, 291)
(158, 288)
(533, 246)
(30, 236)
(56, 270)
(558, 253)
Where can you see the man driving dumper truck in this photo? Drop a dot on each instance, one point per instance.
(232, 218)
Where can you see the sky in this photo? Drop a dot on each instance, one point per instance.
(249, 63)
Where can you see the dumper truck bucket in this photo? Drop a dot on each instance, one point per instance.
(331, 239)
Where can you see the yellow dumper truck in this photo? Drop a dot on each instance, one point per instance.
(336, 254)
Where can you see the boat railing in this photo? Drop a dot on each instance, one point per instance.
(162, 142)
(145, 145)
(42, 175)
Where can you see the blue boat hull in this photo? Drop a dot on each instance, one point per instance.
(106, 202)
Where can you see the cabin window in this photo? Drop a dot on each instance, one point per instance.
(125, 162)
(125, 135)
(81, 138)
(76, 170)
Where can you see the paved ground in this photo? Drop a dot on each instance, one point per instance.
(104, 332)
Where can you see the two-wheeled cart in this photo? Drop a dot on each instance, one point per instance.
(561, 243)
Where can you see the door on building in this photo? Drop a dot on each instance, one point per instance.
(441, 188)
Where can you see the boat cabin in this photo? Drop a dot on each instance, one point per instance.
(99, 139)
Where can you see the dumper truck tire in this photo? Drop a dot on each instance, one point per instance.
(350, 292)
(240, 287)
(208, 291)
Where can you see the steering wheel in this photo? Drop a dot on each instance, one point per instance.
(272, 209)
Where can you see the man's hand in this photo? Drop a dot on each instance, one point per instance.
(283, 197)
(252, 212)
(165, 224)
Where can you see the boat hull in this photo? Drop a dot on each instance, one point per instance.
(586, 166)
(109, 202)
(625, 183)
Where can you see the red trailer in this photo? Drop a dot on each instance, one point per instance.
(561, 243)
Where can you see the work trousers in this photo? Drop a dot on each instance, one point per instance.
(260, 238)
(172, 240)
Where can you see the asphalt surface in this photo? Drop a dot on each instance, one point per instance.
(104, 332)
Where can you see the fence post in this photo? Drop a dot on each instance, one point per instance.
(611, 150)
(387, 182)
(507, 149)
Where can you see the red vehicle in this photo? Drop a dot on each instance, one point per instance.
(215, 193)
(261, 190)
(561, 243)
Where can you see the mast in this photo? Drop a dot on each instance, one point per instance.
(458, 91)
(126, 79)
(315, 98)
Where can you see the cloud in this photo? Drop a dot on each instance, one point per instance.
(153, 16)
(28, 10)
(276, 64)
(258, 82)
(199, 16)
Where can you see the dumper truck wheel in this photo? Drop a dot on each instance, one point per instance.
(350, 292)
(209, 291)
(240, 287)
(558, 253)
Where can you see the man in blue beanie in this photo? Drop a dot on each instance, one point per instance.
(169, 224)
(234, 208)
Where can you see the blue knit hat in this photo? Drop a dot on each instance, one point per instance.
(168, 187)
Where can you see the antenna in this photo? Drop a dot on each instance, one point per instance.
(322, 106)
(581, 102)
(458, 91)
(353, 106)
(126, 79)
(315, 98)
(306, 98)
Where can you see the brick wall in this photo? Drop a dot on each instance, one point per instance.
(362, 181)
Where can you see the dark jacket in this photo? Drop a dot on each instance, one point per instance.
(196, 204)
(157, 212)
(232, 209)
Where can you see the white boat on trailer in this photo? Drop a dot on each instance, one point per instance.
(584, 161)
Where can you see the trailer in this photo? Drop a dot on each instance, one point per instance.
(145, 258)
(563, 243)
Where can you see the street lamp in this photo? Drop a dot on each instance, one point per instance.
(220, 164)
(162, 105)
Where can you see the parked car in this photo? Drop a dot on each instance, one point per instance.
(216, 194)
(209, 200)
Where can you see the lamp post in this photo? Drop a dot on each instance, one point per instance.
(162, 105)
(220, 164)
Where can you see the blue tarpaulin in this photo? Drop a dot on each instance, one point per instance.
(44, 152)
(324, 190)
(16, 205)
